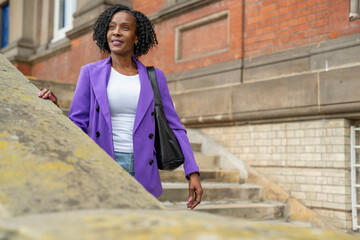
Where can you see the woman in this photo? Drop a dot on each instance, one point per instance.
(114, 105)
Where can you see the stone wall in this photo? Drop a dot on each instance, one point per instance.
(308, 159)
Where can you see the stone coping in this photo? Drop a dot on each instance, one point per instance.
(47, 164)
(152, 224)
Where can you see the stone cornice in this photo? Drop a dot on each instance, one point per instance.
(81, 30)
(218, 68)
(95, 4)
(53, 50)
(304, 51)
(177, 9)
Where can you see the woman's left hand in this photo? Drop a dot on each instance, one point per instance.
(195, 191)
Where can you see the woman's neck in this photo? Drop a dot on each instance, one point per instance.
(124, 65)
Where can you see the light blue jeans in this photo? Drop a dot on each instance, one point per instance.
(126, 160)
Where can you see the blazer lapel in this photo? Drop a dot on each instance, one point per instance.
(146, 94)
(99, 78)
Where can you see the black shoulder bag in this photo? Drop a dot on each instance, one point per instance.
(168, 152)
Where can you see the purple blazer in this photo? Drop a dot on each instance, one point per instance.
(90, 111)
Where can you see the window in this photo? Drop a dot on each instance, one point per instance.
(354, 9)
(63, 18)
(5, 12)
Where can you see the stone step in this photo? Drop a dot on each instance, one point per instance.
(249, 210)
(287, 222)
(177, 192)
(206, 175)
(207, 162)
(196, 147)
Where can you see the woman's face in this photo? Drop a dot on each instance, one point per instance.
(121, 35)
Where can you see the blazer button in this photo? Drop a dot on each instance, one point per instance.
(97, 134)
(151, 135)
(152, 113)
(151, 162)
(97, 109)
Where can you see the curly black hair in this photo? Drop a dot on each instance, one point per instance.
(144, 30)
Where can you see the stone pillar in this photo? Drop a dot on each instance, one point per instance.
(22, 32)
(46, 24)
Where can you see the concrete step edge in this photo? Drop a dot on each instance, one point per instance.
(251, 211)
(206, 185)
(206, 175)
(180, 169)
(227, 204)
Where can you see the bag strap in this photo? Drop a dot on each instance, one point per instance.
(154, 84)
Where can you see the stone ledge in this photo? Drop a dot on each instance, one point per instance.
(209, 70)
(47, 164)
(177, 9)
(304, 51)
(145, 224)
(326, 94)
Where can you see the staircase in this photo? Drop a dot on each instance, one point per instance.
(224, 191)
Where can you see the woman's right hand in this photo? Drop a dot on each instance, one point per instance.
(46, 93)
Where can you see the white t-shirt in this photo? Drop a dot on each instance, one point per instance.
(123, 96)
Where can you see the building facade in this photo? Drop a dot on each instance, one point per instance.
(276, 82)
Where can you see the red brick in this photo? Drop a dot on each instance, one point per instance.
(281, 4)
(24, 68)
(267, 8)
(333, 35)
(302, 5)
(268, 36)
(320, 7)
(285, 32)
(284, 18)
(301, 20)
(293, 22)
(284, 25)
(310, 33)
(320, 23)
(284, 39)
(284, 10)
(301, 28)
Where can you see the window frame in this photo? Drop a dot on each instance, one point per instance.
(354, 12)
(60, 33)
(5, 4)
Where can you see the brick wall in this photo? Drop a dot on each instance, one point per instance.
(276, 25)
(270, 26)
(148, 7)
(310, 160)
(65, 67)
(163, 55)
